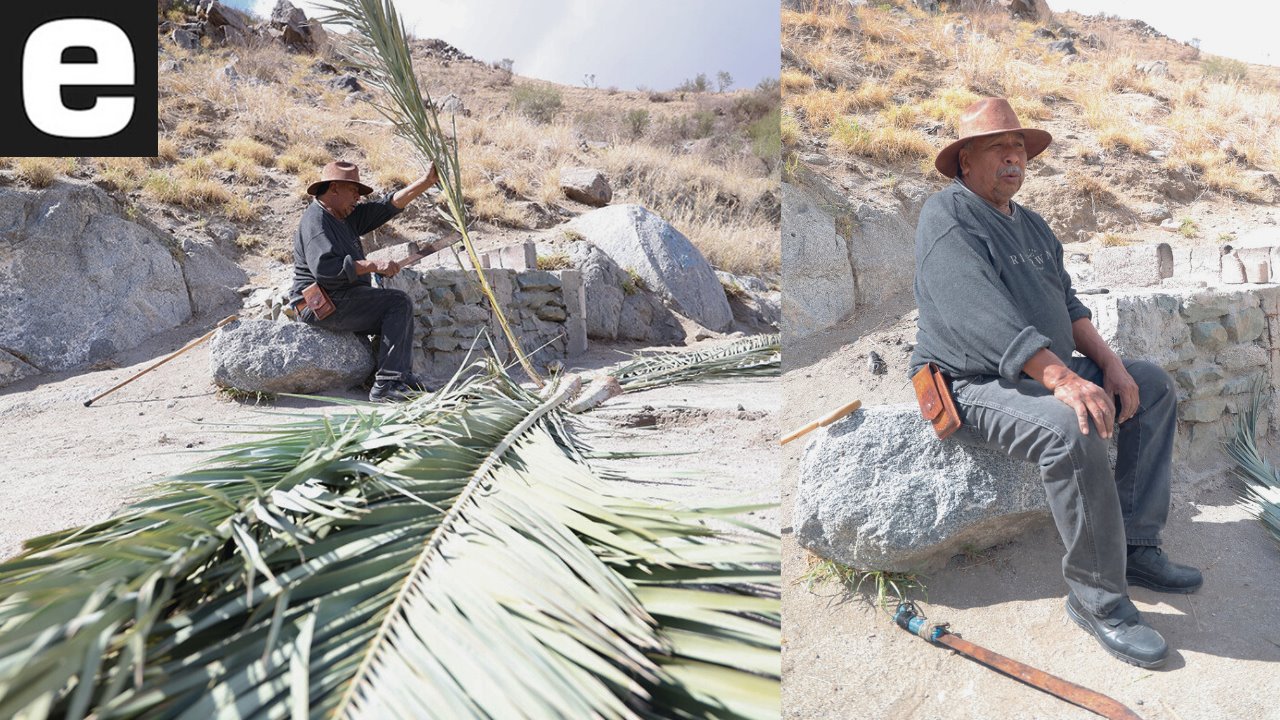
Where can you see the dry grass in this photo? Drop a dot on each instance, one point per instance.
(41, 172)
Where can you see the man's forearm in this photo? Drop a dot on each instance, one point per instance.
(1091, 345)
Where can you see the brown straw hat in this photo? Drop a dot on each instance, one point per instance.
(339, 170)
(988, 116)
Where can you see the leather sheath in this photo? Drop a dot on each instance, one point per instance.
(933, 390)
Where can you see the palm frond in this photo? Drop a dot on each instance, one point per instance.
(1260, 482)
(451, 557)
(377, 45)
(754, 355)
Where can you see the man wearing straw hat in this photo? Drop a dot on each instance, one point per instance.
(998, 316)
(327, 251)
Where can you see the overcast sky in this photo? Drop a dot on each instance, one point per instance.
(652, 43)
(1240, 29)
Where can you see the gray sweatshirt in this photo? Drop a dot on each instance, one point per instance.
(991, 288)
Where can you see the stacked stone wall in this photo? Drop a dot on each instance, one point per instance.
(1217, 344)
(545, 309)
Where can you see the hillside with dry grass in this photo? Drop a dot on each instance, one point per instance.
(1144, 127)
(244, 129)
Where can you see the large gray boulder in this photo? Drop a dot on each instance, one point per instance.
(616, 306)
(644, 243)
(844, 253)
(878, 490)
(286, 357)
(213, 281)
(816, 270)
(79, 281)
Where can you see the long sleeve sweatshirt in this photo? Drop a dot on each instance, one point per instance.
(991, 288)
(325, 249)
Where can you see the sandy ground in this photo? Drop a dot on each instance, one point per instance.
(67, 464)
(843, 658)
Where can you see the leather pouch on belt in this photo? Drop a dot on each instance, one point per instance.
(318, 300)
(934, 393)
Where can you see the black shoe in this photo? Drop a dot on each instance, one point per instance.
(392, 391)
(1149, 567)
(1122, 633)
(418, 383)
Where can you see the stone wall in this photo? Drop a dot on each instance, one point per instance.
(546, 310)
(1215, 343)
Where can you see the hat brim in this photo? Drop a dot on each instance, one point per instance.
(364, 189)
(948, 161)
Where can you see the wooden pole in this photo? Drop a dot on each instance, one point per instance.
(184, 348)
(827, 419)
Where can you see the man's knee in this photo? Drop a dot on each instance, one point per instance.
(1154, 384)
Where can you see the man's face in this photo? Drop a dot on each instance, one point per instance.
(341, 198)
(994, 166)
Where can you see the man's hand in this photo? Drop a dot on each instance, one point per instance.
(1089, 401)
(1116, 380)
(385, 268)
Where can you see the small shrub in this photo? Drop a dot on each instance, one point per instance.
(633, 284)
(1115, 240)
(40, 172)
(766, 137)
(554, 261)
(1188, 228)
(539, 103)
(637, 121)
(698, 84)
(704, 123)
(1225, 69)
(244, 397)
(789, 129)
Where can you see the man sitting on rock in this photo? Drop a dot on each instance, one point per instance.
(999, 316)
(327, 251)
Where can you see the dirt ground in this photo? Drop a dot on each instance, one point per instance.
(843, 657)
(68, 464)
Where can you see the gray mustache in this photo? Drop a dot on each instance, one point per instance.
(1008, 170)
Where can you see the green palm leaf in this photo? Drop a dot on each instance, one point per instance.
(753, 355)
(451, 557)
(1261, 483)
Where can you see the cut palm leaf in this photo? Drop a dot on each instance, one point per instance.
(1261, 483)
(451, 557)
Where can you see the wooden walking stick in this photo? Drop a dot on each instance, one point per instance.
(827, 419)
(184, 348)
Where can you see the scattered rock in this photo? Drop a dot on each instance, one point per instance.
(586, 185)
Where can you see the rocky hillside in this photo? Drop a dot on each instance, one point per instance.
(1153, 140)
(250, 108)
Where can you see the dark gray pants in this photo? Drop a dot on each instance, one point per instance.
(383, 312)
(1097, 512)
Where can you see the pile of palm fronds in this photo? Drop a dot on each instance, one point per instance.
(451, 557)
(377, 45)
(754, 355)
(1261, 482)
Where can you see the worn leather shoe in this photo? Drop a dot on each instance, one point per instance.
(1122, 633)
(392, 391)
(1149, 567)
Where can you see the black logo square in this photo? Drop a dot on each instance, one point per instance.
(86, 77)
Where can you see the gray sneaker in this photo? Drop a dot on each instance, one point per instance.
(1122, 633)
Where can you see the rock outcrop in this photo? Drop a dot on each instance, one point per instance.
(79, 280)
(641, 242)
